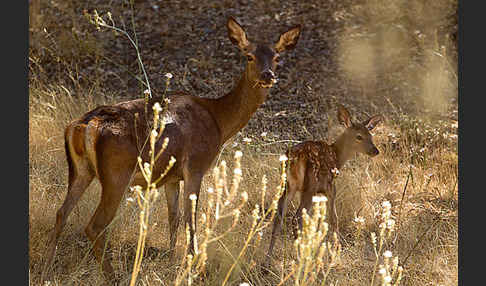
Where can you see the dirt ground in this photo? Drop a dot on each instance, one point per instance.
(189, 40)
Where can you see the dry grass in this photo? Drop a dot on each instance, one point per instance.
(416, 170)
(426, 213)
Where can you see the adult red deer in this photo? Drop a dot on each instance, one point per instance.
(313, 166)
(105, 143)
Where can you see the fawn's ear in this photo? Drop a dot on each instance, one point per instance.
(288, 40)
(236, 34)
(344, 117)
(372, 122)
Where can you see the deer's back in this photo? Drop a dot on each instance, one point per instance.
(319, 159)
(194, 137)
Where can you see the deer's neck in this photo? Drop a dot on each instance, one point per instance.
(343, 154)
(233, 111)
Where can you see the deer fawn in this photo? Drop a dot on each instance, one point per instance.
(312, 167)
(105, 143)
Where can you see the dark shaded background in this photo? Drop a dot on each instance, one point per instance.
(392, 50)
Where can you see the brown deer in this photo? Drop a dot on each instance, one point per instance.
(314, 164)
(105, 143)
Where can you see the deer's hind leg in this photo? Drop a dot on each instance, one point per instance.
(115, 171)
(283, 202)
(80, 176)
(96, 230)
(295, 184)
(310, 187)
(305, 203)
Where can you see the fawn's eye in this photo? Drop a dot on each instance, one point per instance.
(276, 58)
(250, 57)
(359, 137)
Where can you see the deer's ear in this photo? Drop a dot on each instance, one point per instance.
(288, 40)
(344, 117)
(372, 122)
(236, 34)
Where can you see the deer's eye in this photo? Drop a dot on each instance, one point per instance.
(276, 58)
(250, 57)
(359, 137)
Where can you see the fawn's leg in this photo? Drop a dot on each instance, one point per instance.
(281, 210)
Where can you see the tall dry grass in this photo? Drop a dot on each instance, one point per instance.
(416, 172)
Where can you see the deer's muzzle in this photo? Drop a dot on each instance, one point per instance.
(374, 151)
(267, 78)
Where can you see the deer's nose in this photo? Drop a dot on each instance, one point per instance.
(267, 76)
(374, 151)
